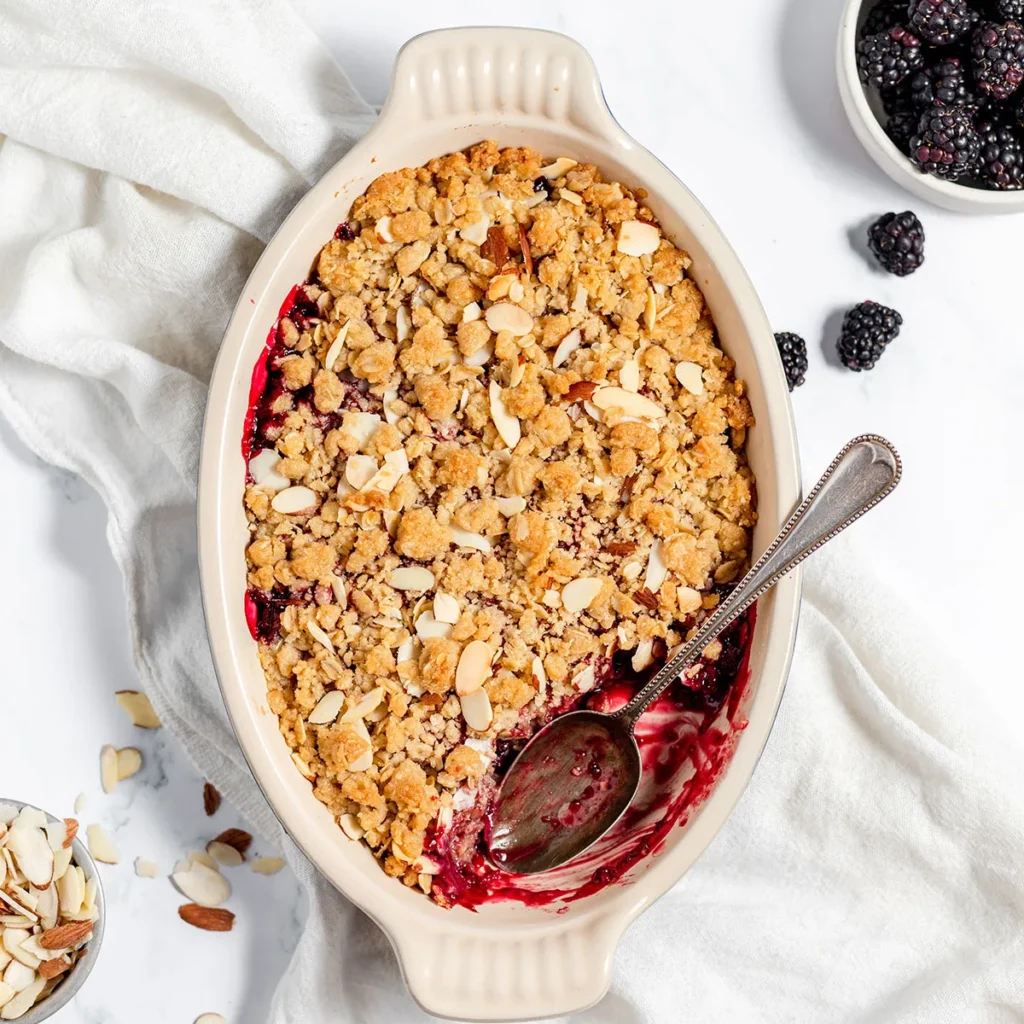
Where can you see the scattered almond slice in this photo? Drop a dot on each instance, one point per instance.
(350, 826)
(327, 708)
(651, 310)
(129, 761)
(566, 347)
(475, 232)
(396, 466)
(637, 238)
(62, 862)
(446, 608)
(482, 356)
(316, 631)
(71, 891)
(47, 908)
(139, 709)
(688, 599)
(411, 577)
(382, 229)
(146, 868)
(337, 347)
(403, 323)
(643, 655)
(13, 938)
(467, 539)
(540, 677)
(580, 299)
(691, 376)
(263, 470)
(56, 834)
(226, 856)
(579, 594)
(390, 397)
(558, 169)
(471, 312)
(517, 374)
(476, 710)
(211, 1018)
(365, 761)
(629, 375)
(101, 846)
(294, 501)
(631, 404)
(31, 852)
(571, 197)
(428, 627)
(267, 865)
(507, 316)
(23, 1001)
(657, 571)
(511, 506)
(202, 885)
(362, 426)
(108, 768)
(473, 668)
(507, 424)
(367, 703)
(80, 802)
(360, 470)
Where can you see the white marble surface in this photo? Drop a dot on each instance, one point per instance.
(745, 110)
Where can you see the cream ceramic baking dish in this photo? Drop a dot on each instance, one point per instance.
(450, 89)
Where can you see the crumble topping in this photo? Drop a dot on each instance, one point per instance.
(497, 443)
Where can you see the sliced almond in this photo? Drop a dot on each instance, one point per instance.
(139, 709)
(327, 708)
(237, 838)
(350, 826)
(146, 868)
(70, 892)
(13, 938)
(362, 426)
(365, 761)
(507, 424)
(446, 608)
(651, 310)
(47, 907)
(579, 594)
(23, 1001)
(225, 855)
(540, 677)
(571, 197)
(31, 852)
(304, 770)
(263, 470)
(382, 229)
(316, 631)
(294, 501)
(29, 817)
(108, 768)
(474, 667)
(202, 885)
(199, 857)
(688, 599)
(629, 375)
(390, 397)
(471, 312)
(476, 710)
(360, 470)
(691, 376)
(211, 1018)
(56, 834)
(637, 238)
(396, 466)
(62, 862)
(517, 375)
(267, 865)
(482, 356)
(80, 802)
(411, 577)
(559, 169)
(337, 347)
(566, 347)
(101, 846)
(507, 316)
(657, 571)
(367, 703)
(7, 992)
(584, 681)
(340, 590)
(580, 299)
(403, 323)
(511, 506)
(428, 627)
(31, 945)
(643, 655)
(468, 539)
(129, 761)
(475, 232)
(630, 403)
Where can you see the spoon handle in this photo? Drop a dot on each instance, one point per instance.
(861, 475)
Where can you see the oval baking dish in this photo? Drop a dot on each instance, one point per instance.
(450, 89)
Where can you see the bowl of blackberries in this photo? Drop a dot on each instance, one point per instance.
(934, 89)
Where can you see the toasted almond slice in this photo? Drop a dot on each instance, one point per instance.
(631, 404)
(584, 681)
(263, 470)
(571, 197)
(139, 709)
(101, 846)
(643, 655)
(637, 238)
(473, 668)
(475, 232)
(509, 507)
(70, 892)
(267, 865)
(688, 599)
(657, 571)
(340, 590)
(226, 856)
(396, 466)
(316, 631)
(209, 919)
(427, 627)
(507, 316)
(294, 501)
(390, 396)
(559, 169)
(327, 708)
(467, 539)
(540, 676)
(691, 376)
(202, 885)
(146, 868)
(403, 323)
(651, 310)
(337, 346)
(367, 703)
(507, 424)
(578, 595)
(108, 768)
(211, 1018)
(360, 470)
(566, 347)
(411, 577)
(80, 802)
(446, 608)
(580, 299)
(362, 426)
(382, 229)
(482, 356)
(32, 854)
(471, 312)
(365, 760)
(517, 374)
(350, 826)
(629, 375)
(476, 709)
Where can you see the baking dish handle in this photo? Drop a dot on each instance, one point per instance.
(457, 76)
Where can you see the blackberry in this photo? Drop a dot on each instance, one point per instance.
(1011, 10)
(867, 330)
(939, 22)
(998, 54)
(897, 241)
(1001, 164)
(942, 85)
(946, 143)
(885, 59)
(901, 128)
(884, 16)
(793, 351)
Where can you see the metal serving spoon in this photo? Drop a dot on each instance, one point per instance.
(574, 780)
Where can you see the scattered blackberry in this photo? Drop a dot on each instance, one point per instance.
(793, 350)
(884, 16)
(998, 54)
(867, 330)
(1001, 164)
(946, 143)
(897, 241)
(939, 22)
(942, 85)
(1011, 10)
(885, 59)
(901, 128)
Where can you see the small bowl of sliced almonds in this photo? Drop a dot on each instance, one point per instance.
(51, 912)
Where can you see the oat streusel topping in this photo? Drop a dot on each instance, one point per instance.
(496, 443)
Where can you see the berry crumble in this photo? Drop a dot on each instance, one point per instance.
(496, 471)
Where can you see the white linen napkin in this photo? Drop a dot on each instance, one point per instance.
(873, 869)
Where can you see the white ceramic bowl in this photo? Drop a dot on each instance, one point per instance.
(450, 89)
(864, 111)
